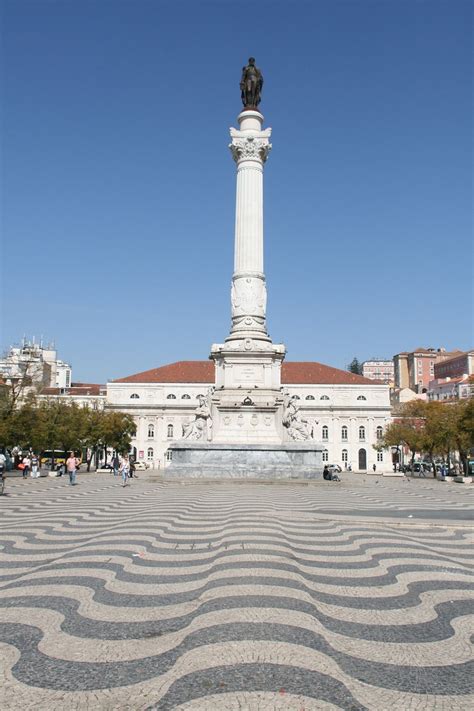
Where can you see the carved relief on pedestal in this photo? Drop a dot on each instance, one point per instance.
(248, 296)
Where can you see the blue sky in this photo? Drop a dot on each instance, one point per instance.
(118, 188)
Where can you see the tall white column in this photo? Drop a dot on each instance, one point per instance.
(250, 147)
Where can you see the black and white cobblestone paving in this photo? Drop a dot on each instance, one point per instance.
(226, 596)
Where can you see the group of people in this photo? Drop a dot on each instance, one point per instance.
(329, 475)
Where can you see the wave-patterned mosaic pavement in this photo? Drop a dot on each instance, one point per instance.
(236, 596)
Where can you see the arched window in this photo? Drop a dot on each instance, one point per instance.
(296, 397)
(151, 431)
(309, 397)
(325, 432)
(169, 455)
(185, 397)
(149, 453)
(134, 396)
(362, 397)
(344, 455)
(325, 456)
(361, 432)
(170, 430)
(324, 397)
(379, 432)
(171, 397)
(344, 432)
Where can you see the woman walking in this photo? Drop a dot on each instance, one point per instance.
(125, 469)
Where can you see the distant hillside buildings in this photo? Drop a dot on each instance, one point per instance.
(35, 364)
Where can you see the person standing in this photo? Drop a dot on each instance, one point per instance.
(132, 468)
(3, 471)
(34, 466)
(26, 466)
(125, 469)
(116, 464)
(71, 467)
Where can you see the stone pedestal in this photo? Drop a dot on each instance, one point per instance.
(209, 460)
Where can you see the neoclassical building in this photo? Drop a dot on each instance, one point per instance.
(348, 412)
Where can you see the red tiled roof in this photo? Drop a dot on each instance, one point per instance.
(293, 373)
(76, 389)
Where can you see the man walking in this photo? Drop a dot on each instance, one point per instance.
(71, 467)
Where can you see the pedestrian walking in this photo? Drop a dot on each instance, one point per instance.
(125, 469)
(132, 469)
(34, 466)
(3, 471)
(374, 467)
(116, 464)
(71, 468)
(26, 466)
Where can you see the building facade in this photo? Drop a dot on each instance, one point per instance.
(456, 367)
(92, 395)
(381, 369)
(415, 369)
(348, 413)
(37, 365)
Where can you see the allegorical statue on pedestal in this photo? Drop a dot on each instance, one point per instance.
(298, 427)
(202, 422)
(251, 85)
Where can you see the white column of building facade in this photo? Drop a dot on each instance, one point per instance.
(250, 146)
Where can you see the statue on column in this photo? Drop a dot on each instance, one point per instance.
(298, 427)
(251, 85)
(202, 422)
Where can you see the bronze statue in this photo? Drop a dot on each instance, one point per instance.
(251, 85)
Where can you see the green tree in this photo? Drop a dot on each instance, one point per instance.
(117, 431)
(355, 366)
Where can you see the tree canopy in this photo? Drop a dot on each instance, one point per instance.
(433, 429)
(55, 424)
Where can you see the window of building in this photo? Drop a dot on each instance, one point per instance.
(151, 431)
(324, 397)
(380, 456)
(185, 397)
(361, 432)
(149, 453)
(344, 455)
(171, 397)
(362, 397)
(379, 432)
(325, 456)
(325, 432)
(134, 396)
(170, 430)
(169, 455)
(309, 397)
(344, 432)
(296, 397)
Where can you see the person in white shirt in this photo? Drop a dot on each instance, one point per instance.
(26, 466)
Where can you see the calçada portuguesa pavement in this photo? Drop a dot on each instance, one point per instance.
(230, 595)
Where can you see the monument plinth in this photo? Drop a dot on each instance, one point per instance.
(256, 427)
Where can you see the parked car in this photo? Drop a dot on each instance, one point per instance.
(141, 466)
(334, 468)
(105, 468)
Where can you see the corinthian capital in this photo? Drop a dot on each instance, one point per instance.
(250, 147)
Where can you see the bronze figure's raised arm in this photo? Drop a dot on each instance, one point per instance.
(251, 85)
